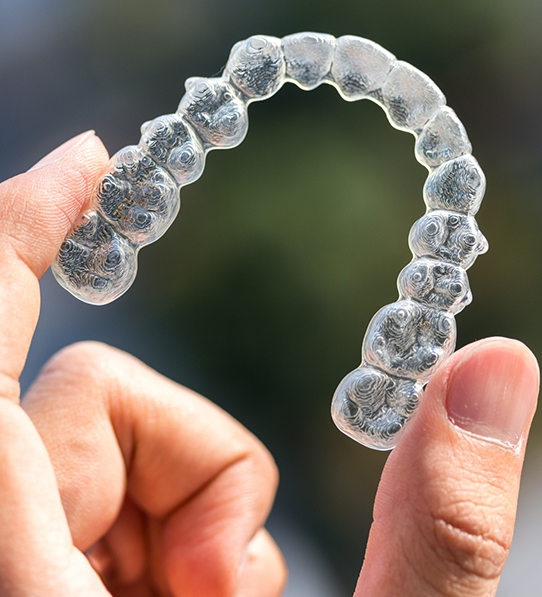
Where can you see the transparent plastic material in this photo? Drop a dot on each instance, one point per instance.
(137, 198)
(443, 138)
(410, 97)
(360, 67)
(449, 236)
(408, 339)
(95, 261)
(173, 144)
(457, 185)
(308, 57)
(256, 67)
(436, 284)
(215, 112)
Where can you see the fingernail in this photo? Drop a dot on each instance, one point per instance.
(62, 150)
(493, 390)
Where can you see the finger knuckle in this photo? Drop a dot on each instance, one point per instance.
(82, 359)
(263, 460)
(269, 466)
(257, 473)
(472, 540)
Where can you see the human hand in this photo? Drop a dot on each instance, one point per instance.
(171, 490)
(446, 504)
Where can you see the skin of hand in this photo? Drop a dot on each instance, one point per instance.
(167, 495)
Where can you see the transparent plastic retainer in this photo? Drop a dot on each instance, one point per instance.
(137, 198)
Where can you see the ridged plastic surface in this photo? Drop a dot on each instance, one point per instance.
(137, 198)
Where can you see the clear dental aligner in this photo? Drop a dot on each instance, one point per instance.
(137, 199)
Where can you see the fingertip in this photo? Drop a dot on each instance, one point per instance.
(60, 151)
(89, 155)
(42, 205)
(65, 177)
(264, 572)
(206, 539)
(448, 495)
(488, 389)
(492, 382)
(492, 391)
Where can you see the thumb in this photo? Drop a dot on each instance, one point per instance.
(38, 209)
(41, 205)
(446, 505)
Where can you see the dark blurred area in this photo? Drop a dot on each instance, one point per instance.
(260, 293)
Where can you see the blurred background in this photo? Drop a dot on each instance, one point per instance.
(260, 293)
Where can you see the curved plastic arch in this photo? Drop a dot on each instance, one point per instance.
(137, 198)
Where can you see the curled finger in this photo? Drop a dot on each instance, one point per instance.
(203, 483)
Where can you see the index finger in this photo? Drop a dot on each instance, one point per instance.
(115, 430)
(39, 208)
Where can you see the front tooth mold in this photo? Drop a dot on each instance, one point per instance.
(137, 198)
(448, 235)
(410, 97)
(457, 185)
(212, 107)
(443, 138)
(360, 67)
(308, 58)
(95, 263)
(256, 67)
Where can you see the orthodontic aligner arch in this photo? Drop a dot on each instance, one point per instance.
(137, 198)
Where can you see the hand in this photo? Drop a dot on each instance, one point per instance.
(173, 493)
(168, 492)
(446, 504)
